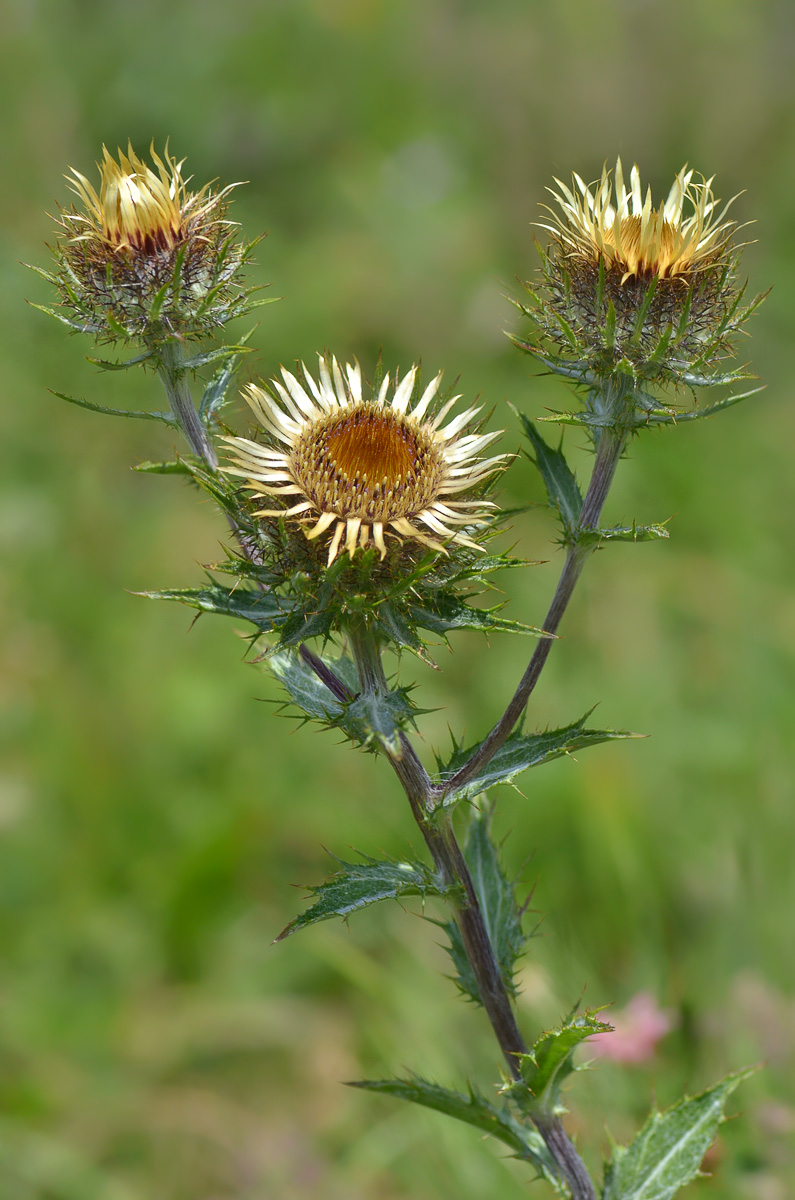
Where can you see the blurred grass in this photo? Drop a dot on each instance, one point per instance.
(153, 816)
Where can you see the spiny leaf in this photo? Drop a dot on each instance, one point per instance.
(443, 613)
(668, 1151)
(632, 533)
(475, 1109)
(549, 1063)
(369, 719)
(174, 467)
(166, 418)
(561, 485)
(309, 692)
(125, 365)
(263, 609)
(497, 899)
(215, 392)
(523, 750)
(357, 885)
(208, 356)
(381, 718)
(75, 326)
(695, 414)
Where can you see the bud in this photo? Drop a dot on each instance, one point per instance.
(647, 290)
(147, 259)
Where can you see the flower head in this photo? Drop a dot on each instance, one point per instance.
(144, 256)
(137, 209)
(360, 471)
(676, 240)
(629, 286)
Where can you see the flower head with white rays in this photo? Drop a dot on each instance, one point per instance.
(360, 472)
(144, 256)
(677, 239)
(647, 290)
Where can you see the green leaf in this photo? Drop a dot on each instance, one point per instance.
(559, 481)
(497, 899)
(379, 719)
(75, 326)
(174, 467)
(166, 418)
(105, 365)
(443, 613)
(209, 356)
(549, 1063)
(308, 691)
(214, 394)
(668, 1151)
(369, 719)
(474, 1109)
(357, 885)
(523, 750)
(695, 414)
(632, 533)
(266, 610)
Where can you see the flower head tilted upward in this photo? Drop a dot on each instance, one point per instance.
(648, 289)
(632, 237)
(145, 257)
(363, 470)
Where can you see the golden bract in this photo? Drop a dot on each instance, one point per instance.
(135, 207)
(681, 237)
(365, 469)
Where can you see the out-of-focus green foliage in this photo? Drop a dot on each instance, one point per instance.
(153, 815)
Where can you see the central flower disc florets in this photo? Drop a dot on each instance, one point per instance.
(368, 462)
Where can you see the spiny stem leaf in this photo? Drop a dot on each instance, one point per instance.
(667, 1152)
(356, 885)
(501, 914)
(549, 1063)
(474, 1109)
(562, 488)
(524, 750)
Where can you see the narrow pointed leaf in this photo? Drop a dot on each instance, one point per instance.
(524, 750)
(501, 914)
(264, 609)
(214, 394)
(165, 418)
(632, 533)
(549, 1064)
(357, 885)
(562, 488)
(695, 414)
(447, 612)
(209, 356)
(668, 1151)
(125, 365)
(474, 1109)
(174, 467)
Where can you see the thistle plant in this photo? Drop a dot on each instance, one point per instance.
(362, 523)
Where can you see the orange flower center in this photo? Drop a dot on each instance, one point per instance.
(368, 462)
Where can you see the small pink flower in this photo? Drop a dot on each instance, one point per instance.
(638, 1028)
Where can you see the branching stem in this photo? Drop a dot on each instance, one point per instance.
(605, 463)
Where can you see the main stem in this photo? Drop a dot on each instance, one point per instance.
(172, 375)
(438, 832)
(452, 868)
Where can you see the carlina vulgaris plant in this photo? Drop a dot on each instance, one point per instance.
(362, 516)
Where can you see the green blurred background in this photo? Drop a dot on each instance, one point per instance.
(154, 813)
